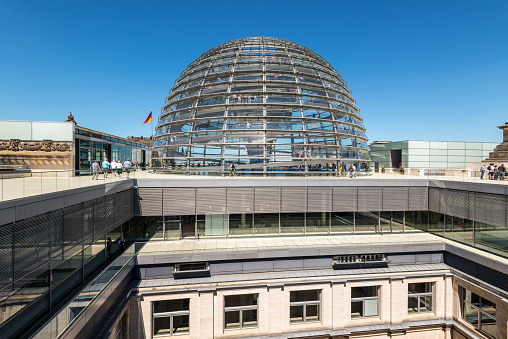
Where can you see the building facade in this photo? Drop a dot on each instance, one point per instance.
(39, 145)
(428, 154)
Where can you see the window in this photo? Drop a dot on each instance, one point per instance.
(304, 306)
(240, 311)
(364, 301)
(479, 312)
(419, 297)
(170, 317)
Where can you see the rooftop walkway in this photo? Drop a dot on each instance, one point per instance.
(18, 186)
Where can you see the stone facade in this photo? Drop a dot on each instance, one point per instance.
(500, 153)
(207, 308)
(42, 155)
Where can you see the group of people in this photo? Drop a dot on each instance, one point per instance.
(115, 167)
(495, 172)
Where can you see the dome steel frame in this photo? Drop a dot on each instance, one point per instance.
(262, 103)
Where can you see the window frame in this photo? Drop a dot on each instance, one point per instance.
(479, 311)
(305, 304)
(240, 309)
(362, 299)
(171, 316)
(419, 295)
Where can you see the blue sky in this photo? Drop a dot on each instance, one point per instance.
(429, 70)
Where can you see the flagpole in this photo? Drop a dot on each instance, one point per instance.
(151, 126)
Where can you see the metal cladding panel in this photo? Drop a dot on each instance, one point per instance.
(418, 198)
(211, 200)
(149, 202)
(124, 205)
(395, 199)
(293, 199)
(369, 199)
(319, 199)
(490, 209)
(240, 199)
(455, 203)
(31, 248)
(344, 199)
(179, 201)
(434, 199)
(266, 200)
(6, 237)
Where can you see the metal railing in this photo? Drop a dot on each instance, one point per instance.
(65, 318)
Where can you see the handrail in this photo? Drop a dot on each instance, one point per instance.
(58, 324)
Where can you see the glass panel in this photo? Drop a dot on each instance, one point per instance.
(292, 223)
(266, 223)
(296, 314)
(172, 227)
(366, 222)
(240, 224)
(419, 287)
(488, 325)
(385, 221)
(471, 314)
(171, 305)
(162, 326)
(180, 324)
(398, 221)
(371, 307)
(426, 303)
(364, 291)
(240, 300)
(342, 222)
(232, 319)
(412, 304)
(308, 295)
(312, 313)
(249, 318)
(357, 309)
(318, 222)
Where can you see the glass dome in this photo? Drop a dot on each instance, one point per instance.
(264, 104)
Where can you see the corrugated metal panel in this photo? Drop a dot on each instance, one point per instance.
(149, 202)
(434, 198)
(211, 200)
(267, 200)
(179, 201)
(369, 199)
(319, 199)
(395, 198)
(490, 209)
(344, 199)
(418, 198)
(471, 202)
(240, 200)
(293, 199)
(6, 237)
(455, 203)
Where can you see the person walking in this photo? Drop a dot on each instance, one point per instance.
(96, 167)
(127, 165)
(113, 167)
(121, 244)
(232, 169)
(496, 172)
(502, 171)
(491, 171)
(105, 167)
(108, 246)
(340, 170)
(482, 171)
(119, 168)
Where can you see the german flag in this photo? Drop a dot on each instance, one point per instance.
(149, 118)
